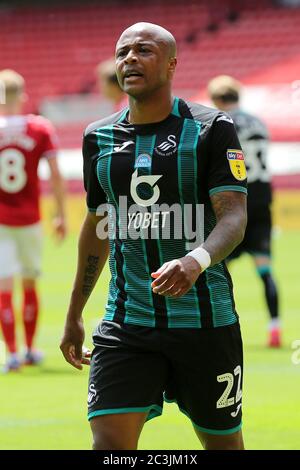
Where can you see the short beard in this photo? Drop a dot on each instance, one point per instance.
(144, 94)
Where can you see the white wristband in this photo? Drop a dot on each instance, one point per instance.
(202, 256)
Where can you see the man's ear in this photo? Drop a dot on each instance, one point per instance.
(172, 65)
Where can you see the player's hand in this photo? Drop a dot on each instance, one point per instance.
(60, 229)
(72, 343)
(175, 278)
(86, 356)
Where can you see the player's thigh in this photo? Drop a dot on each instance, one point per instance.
(206, 379)
(9, 264)
(128, 376)
(30, 240)
(232, 441)
(117, 431)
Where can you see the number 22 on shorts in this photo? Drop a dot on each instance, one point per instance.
(224, 399)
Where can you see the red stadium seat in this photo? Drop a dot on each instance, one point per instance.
(56, 48)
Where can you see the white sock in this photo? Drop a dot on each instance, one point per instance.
(274, 324)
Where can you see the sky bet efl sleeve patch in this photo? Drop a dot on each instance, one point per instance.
(237, 164)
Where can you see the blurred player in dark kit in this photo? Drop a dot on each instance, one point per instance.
(224, 91)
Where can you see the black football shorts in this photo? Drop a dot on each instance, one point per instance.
(257, 240)
(136, 368)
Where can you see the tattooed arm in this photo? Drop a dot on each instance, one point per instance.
(231, 214)
(176, 277)
(92, 255)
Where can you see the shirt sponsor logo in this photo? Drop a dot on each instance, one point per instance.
(143, 161)
(146, 179)
(237, 164)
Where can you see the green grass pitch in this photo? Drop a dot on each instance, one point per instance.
(45, 408)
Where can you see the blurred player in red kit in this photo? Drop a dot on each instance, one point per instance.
(24, 140)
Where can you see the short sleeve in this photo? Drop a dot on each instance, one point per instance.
(94, 192)
(226, 167)
(50, 140)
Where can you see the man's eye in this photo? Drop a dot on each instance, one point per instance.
(144, 49)
(121, 53)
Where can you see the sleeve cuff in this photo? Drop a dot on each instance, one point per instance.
(220, 189)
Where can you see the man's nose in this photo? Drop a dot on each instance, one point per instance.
(131, 57)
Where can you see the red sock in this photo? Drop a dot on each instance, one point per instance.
(7, 321)
(30, 315)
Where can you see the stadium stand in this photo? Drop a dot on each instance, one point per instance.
(56, 47)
